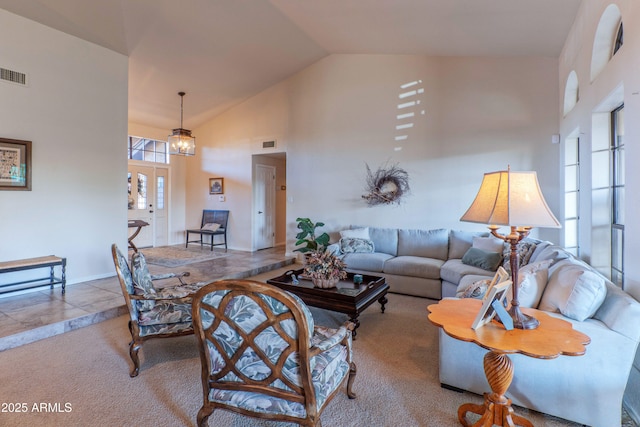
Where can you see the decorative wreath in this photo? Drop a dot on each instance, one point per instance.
(387, 185)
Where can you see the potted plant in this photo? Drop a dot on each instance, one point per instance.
(325, 269)
(307, 236)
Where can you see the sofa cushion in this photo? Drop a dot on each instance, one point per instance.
(356, 233)
(574, 290)
(424, 243)
(540, 246)
(454, 271)
(368, 262)
(414, 266)
(532, 280)
(385, 239)
(620, 312)
(554, 253)
(461, 241)
(489, 244)
(483, 259)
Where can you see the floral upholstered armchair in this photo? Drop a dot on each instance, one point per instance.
(262, 355)
(153, 313)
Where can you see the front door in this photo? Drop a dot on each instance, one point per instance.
(141, 198)
(264, 190)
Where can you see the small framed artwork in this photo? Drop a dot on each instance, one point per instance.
(497, 293)
(500, 276)
(15, 164)
(216, 185)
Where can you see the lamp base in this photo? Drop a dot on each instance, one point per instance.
(521, 320)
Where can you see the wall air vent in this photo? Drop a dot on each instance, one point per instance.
(269, 144)
(11, 76)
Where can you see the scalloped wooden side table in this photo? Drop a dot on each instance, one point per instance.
(554, 337)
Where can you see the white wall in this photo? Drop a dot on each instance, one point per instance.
(225, 149)
(340, 114)
(622, 71)
(75, 113)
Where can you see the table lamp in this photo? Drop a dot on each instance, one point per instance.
(513, 199)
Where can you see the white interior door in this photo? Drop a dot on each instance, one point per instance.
(141, 193)
(264, 202)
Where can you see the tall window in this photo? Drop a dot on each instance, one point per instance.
(148, 150)
(619, 41)
(618, 196)
(571, 195)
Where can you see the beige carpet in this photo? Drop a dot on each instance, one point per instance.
(86, 373)
(176, 256)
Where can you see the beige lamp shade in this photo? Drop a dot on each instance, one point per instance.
(510, 198)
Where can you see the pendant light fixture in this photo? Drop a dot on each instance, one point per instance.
(180, 141)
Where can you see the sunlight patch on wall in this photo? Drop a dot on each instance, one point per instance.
(411, 94)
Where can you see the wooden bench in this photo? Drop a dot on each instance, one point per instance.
(31, 263)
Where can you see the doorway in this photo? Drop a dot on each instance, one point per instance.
(269, 200)
(147, 201)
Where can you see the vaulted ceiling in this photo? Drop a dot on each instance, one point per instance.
(222, 52)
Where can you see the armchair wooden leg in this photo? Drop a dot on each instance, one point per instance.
(134, 346)
(133, 352)
(203, 416)
(352, 376)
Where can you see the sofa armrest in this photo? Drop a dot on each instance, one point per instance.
(620, 312)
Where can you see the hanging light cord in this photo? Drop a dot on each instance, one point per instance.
(182, 94)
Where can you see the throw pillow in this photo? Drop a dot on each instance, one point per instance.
(212, 226)
(356, 245)
(483, 259)
(356, 233)
(574, 291)
(524, 249)
(489, 244)
(532, 279)
(475, 290)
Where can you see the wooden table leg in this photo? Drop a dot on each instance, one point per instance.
(133, 236)
(356, 323)
(497, 408)
(383, 300)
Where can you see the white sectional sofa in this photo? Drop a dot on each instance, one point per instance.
(414, 262)
(586, 389)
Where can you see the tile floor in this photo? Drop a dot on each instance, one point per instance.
(46, 312)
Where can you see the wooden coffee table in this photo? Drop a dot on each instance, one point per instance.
(552, 338)
(346, 297)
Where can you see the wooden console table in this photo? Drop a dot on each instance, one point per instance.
(32, 263)
(137, 224)
(549, 340)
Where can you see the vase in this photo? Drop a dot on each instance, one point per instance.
(325, 283)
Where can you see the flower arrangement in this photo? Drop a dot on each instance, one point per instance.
(325, 266)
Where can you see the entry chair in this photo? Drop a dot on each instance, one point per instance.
(262, 356)
(214, 223)
(153, 313)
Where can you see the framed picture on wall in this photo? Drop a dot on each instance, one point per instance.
(15, 164)
(216, 185)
